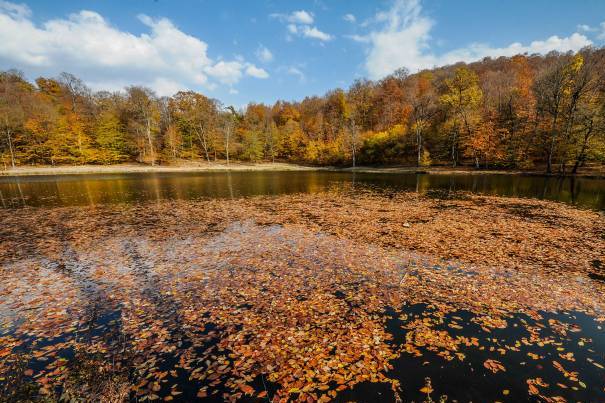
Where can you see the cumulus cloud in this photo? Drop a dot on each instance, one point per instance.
(15, 10)
(300, 23)
(359, 38)
(257, 72)
(574, 42)
(164, 58)
(301, 17)
(226, 72)
(293, 70)
(263, 54)
(349, 18)
(313, 32)
(296, 17)
(293, 29)
(402, 39)
(599, 31)
(585, 28)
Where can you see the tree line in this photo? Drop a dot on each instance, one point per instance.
(510, 112)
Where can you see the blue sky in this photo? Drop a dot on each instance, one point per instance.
(242, 51)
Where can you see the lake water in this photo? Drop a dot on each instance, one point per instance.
(129, 188)
(75, 296)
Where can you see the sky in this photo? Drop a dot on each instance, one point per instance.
(241, 51)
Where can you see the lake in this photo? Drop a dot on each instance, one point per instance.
(128, 188)
(324, 286)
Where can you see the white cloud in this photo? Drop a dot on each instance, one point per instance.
(585, 28)
(231, 72)
(296, 17)
(15, 10)
(299, 23)
(313, 32)
(256, 72)
(574, 42)
(601, 35)
(293, 29)
(293, 70)
(302, 17)
(263, 54)
(359, 38)
(349, 18)
(163, 86)
(599, 31)
(226, 72)
(403, 40)
(87, 45)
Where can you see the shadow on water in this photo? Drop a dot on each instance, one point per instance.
(459, 380)
(131, 188)
(469, 380)
(598, 272)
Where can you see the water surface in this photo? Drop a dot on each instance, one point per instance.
(190, 300)
(67, 190)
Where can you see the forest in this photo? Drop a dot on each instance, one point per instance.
(522, 112)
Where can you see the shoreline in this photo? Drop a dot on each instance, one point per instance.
(43, 170)
(465, 170)
(141, 168)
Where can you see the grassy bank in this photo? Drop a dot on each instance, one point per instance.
(593, 172)
(272, 166)
(140, 168)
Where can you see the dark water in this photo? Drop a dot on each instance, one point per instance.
(470, 381)
(131, 188)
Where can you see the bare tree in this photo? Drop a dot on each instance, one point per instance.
(353, 138)
(423, 100)
(229, 118)
(76, 90)
(549, 90)
(146, 113)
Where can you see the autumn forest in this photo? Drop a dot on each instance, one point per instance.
(541, 112)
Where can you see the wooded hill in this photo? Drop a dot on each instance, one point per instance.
(517, 112)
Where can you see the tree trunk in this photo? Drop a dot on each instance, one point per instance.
(353, 149)
(150, 141)
(353, 131)
(454, 141)
(10, 147)
(582, 154)
(271, 146)
(228, 134)
(202, 138)
(419, 145)
(191, 148)
(551, 148)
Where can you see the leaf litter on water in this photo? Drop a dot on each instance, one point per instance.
(284, 297)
